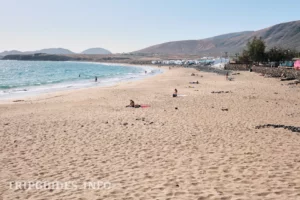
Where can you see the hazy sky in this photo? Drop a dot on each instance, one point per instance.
(128, 25)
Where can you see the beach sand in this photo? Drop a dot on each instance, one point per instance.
(198, 151)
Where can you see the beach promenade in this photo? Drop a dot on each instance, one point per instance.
(200, 146)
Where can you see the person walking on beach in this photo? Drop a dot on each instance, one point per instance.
(96, 78)
(227, 76)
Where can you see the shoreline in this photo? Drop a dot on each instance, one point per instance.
(62, 87)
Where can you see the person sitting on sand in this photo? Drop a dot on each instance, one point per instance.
(133, 105)
(175, 93)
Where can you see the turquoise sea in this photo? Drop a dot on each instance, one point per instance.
(31, 77)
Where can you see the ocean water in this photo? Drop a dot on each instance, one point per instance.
(32, 77)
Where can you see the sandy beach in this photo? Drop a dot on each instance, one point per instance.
(207, 148)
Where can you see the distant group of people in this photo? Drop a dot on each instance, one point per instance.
(175, 94)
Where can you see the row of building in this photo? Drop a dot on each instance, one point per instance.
(205, 60)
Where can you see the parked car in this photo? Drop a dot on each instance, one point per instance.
(286, 64)
(272, 64)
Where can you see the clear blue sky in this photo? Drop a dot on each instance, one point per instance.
(128, 25)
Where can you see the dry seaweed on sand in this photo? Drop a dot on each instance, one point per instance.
(291, 128)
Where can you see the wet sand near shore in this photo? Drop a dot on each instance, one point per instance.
(207, 148)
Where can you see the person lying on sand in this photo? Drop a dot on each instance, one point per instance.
(175, 93)
(133, 105)
(197, 82)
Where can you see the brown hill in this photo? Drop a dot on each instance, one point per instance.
(286, 35)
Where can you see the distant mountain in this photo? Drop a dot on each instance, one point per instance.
(5, 53)
(53, 51)
(286, 35)
(47, 51)
(96, 51)
(56, 51)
